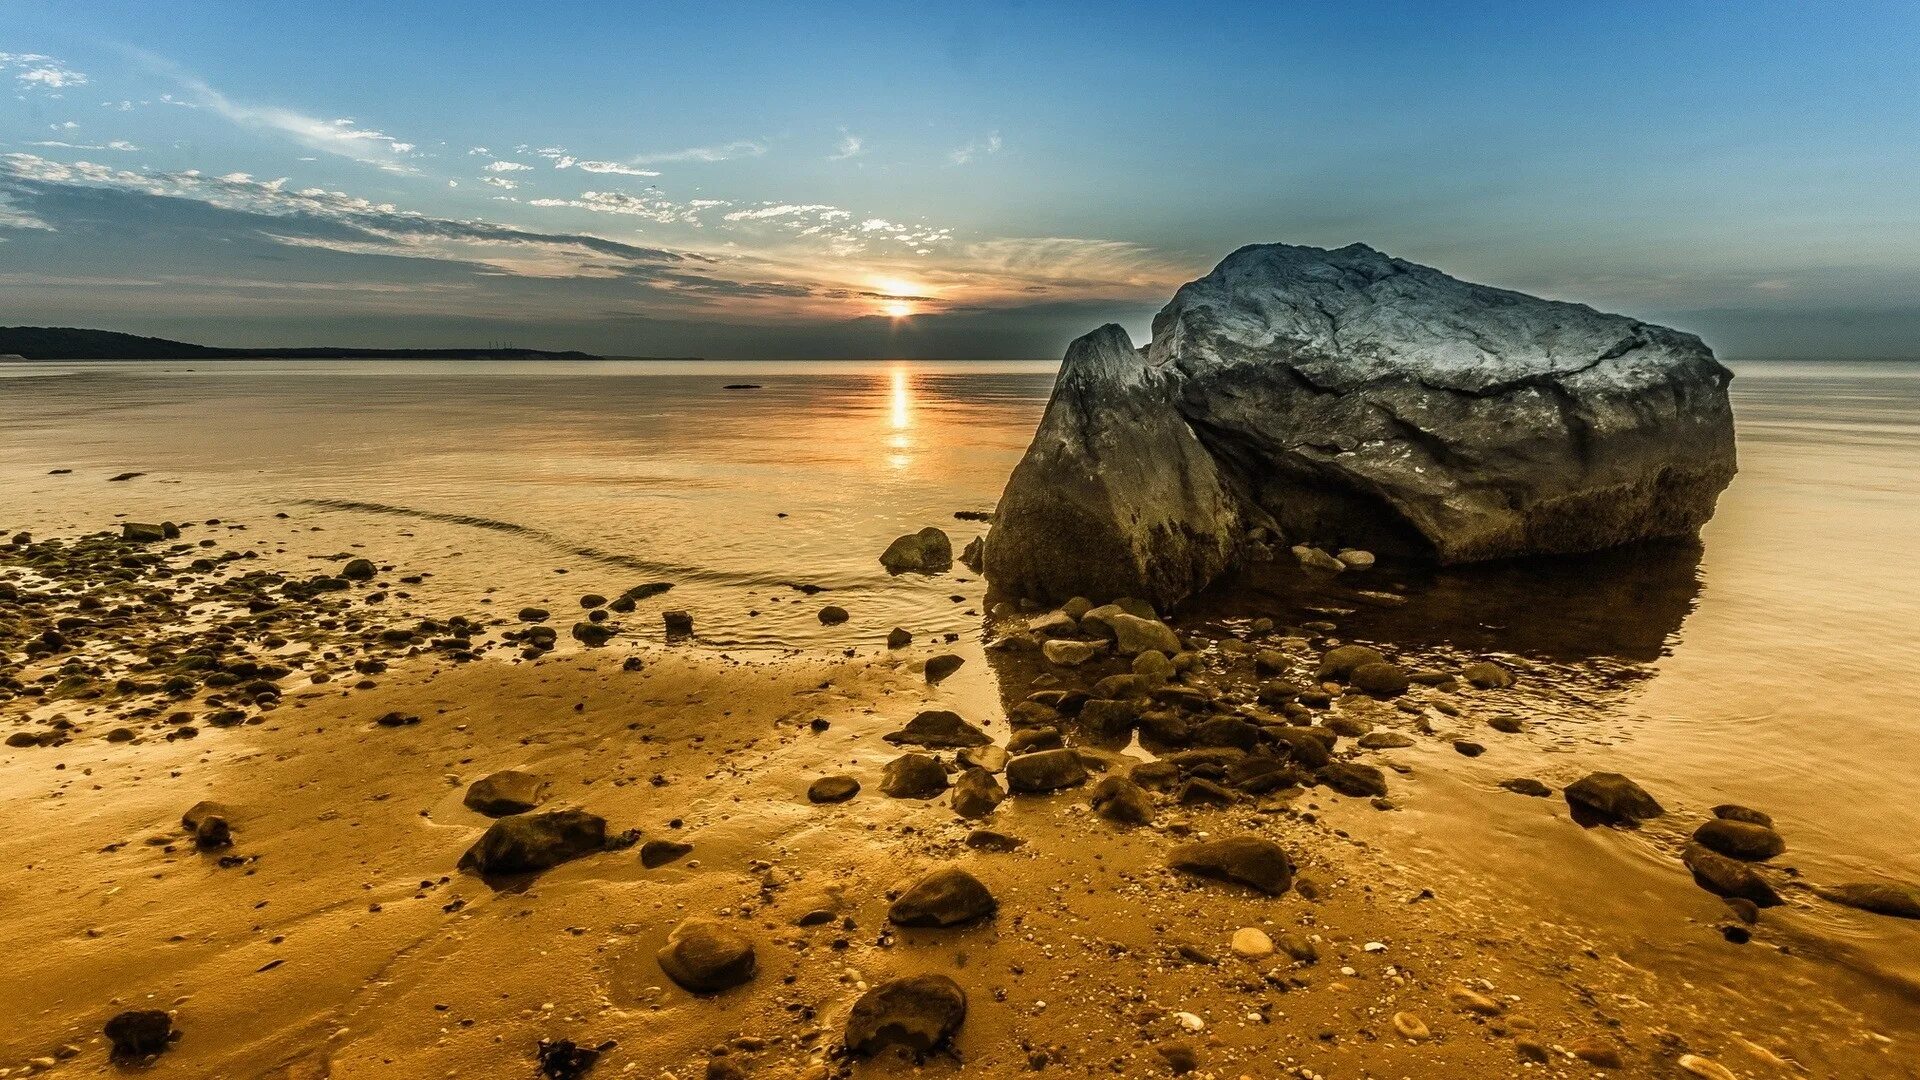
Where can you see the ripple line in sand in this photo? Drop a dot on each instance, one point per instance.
(625, 562)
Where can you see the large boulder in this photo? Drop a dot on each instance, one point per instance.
(1351, 395)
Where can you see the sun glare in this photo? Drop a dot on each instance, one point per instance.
(897, 309)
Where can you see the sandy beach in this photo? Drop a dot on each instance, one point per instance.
(335, 935)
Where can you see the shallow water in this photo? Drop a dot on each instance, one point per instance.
(1775, 664)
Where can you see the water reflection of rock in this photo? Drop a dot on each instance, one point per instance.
(1624, 604)
(1591, 626)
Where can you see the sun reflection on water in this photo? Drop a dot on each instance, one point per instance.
(900, 419)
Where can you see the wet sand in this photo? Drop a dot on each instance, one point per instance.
(341, 940)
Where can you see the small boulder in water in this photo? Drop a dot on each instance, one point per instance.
(928, 551)
(1895, 898)
(1743, 840)
(1122, 801)
(1722, 876)
(1611, 797)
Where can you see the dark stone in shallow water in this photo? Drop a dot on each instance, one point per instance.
(1722, 876)
(1894, 898)
(1350, 778)
(1611, 797)
(1742, 840)
(1527, 786)
(918, 1014)
(1048, 770)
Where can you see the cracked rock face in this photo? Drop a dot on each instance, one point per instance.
(1352, 397)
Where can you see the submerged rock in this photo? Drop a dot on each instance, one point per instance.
(1347, 393)
(1880, 897)
(1743, 840)
(918, 1014)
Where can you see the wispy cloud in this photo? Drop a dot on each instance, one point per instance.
(851, 146)
(967, 154)
(650, 207)
(563, 160)
(724, 152)
(118, 144)
(507, 166)
(342, 137)
(39, 73)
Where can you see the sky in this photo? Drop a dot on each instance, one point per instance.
(905, 180)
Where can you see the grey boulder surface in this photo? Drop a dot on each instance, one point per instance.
(1349, 396)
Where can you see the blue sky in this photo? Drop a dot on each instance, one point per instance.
(893, 179)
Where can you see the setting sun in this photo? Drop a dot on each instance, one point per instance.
(897, 309)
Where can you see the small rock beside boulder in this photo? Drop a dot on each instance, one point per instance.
(946, 897)
(918, 1014)
(1722, 876)
(705, 956)
(1612, 798)
(928, 551)
(976, 794)
(1743, 840)
(913, 776)
(529, 843)
(833, 789)
(939, 729)
(1122, 801)
(1048, 770)
(506, 792)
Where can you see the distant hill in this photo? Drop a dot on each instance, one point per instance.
(70, 343)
